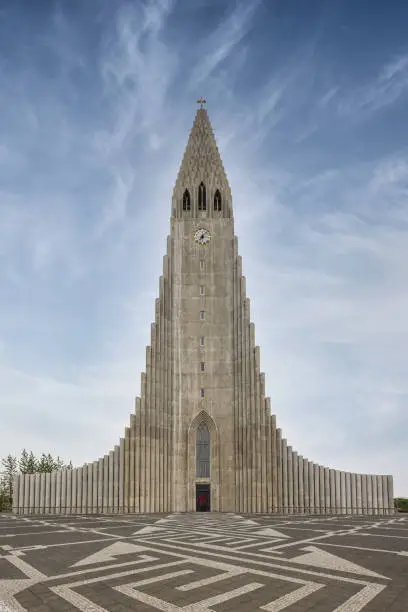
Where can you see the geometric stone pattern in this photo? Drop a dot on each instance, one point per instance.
(203, 367)
(202, 562)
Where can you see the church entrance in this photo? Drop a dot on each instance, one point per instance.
(203, 498)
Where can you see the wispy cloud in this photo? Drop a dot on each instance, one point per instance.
(390, 84)
(223, 41)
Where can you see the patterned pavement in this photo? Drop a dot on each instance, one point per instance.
(203, 562)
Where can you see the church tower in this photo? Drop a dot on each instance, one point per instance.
(202, 436)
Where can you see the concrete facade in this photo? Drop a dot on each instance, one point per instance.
(202, 368)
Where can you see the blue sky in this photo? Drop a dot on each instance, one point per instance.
(309, 104)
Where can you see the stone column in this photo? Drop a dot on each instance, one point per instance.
(116, 452)
(105, 502)
(110, 482)
(16, 493)
(58, 481)
(121, 475)
(68, 508)
(321, 487)
(100, 485)
(332, 491)
(285, 476)
(143, 447)
(95, 477)
(290, 480)
(353, 481)
(137, 453)
(311, 487)
(132, 462)
(279, 464)
(327, 498)
(52, 492)
(89, 492)
(369, 494)
(47, 493)
(390, 488)
(31, 493)
(385, 494)
(295, 464)
(359, 494)
(126, 482)
(374, 493)
(36, 493)
(154, 409)
(83, 488)
(26, 494)
(337, 492)
(21, 489)
(380, 495)
(348, 493)
(343, 502)
(271, 463)
(364, 493)
(264, 436)
(79, 472)
(318, 500)
(306, 486)
(64, 491)
(161, 354)
(301, 502)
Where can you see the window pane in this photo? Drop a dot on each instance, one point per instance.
(203, 452)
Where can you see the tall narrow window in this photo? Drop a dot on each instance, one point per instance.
(202, 366)
(217, 200)
(201, 290)
(202, 202)
(201, 265)
(202, 315)
(202, 392)
(202, 340)
(203, 452)
(186, 200)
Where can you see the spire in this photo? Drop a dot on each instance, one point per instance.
(202, 160)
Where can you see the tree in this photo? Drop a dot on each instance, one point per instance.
(46, 463)
(8, 473)
(401, 504)
(4, 496)
(23, 462)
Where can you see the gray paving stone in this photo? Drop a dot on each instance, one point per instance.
(233, 563)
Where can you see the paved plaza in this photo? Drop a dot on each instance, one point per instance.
(202, 562)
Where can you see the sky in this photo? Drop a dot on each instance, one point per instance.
(309, 105)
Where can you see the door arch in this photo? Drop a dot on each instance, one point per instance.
(206, 422)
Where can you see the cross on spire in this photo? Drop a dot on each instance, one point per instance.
(201, 101)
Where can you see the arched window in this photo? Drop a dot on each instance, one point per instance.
(217, 201)
(202, 202)
(186, 200)
(203, 452)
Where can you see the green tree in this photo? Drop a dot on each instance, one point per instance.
(4, 496)
(401, 504)
(31, 463)
(23, 462)
(46, 463)
(8, 473)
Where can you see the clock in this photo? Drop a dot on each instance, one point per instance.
(202, 236)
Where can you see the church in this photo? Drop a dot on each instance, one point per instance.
(202, 436)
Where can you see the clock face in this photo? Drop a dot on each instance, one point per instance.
(202, 236)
